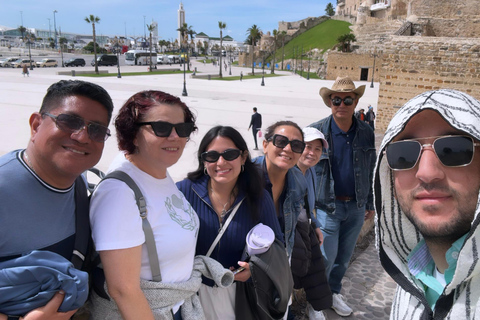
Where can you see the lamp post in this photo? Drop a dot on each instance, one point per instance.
(308, 73)
(184, 93)
(373, 70)
(263, 70)
(117, 51)
(55, 27)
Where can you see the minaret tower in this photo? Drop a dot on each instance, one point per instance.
(181, 21)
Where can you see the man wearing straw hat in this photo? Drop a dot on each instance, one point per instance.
(344, 197)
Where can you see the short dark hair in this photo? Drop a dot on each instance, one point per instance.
(62, 89)
(136, 107)
(255, 109)
(249, 181)
(271, 129)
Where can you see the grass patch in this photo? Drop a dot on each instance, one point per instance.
(305, 74)
(247, 77)
(323, 36)
(129, 74)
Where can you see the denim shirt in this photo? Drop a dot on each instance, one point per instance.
(296, 189)
(363, 165)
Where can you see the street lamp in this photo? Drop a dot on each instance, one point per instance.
(309, 58)
(55, 27)
(373, 70)
(263, 70)
(184, 93)
(117, 47)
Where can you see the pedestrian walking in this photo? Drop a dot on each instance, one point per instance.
(241, 75)
(256, 125)
(25, 71)
(370, 117)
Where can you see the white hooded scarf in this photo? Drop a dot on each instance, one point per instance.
(396, 235)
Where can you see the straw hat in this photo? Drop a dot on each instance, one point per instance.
(342, 84)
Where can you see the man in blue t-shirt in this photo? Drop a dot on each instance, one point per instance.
(38, 195)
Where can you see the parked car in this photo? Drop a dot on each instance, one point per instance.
(7, 62)
(162, 59)
(47, 63)
(75, 62)
(106, 60)
(20, 62)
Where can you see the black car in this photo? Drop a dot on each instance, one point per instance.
(75, 62)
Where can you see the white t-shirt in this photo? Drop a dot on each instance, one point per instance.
(116, 222)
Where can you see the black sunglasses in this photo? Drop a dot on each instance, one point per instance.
(337, 101)
(73, 124)
(228, 155)
(164, 129)
(280, 141)
(452, 151)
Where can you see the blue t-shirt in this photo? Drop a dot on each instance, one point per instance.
(33, 214)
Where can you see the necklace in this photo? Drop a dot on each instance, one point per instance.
(224, 210)
(27, 159)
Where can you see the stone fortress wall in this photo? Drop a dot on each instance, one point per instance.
(436, 46)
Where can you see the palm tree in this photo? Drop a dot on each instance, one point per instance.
(22, 30)
(254, 34)
(191, 33)
(94, 19)
(283, 34)
(150, 29)
(221, 25)
(275, 34)
(345, 41)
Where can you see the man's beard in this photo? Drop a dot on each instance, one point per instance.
(449, 231)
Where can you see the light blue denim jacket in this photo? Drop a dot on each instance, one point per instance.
(363, 165)
(294, 200)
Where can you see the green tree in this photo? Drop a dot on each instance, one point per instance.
(92, 20)
(221, 26)
(183, 32)
(329, 10)
(254, 34)
(63, 43)
(150, 29)
(345, 41)
(283, 34)
(22, 30)
(275, 36)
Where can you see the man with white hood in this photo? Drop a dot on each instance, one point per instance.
(426, 187)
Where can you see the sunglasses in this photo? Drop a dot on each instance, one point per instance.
(280, 141)
(452, 151)
(228, 155)
(73, 124)
(337, 101)
(164, 129)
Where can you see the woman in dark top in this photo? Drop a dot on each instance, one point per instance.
(224, 177)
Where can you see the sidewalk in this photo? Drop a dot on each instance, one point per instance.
(289, 97)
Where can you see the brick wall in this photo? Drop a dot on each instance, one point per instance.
(350, 64)
(412, 65)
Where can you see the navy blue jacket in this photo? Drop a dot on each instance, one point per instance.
(230, 248)
(363, 165)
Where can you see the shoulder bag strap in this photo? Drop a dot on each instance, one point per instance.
(82, 224)
(147, 229)
(224, 227)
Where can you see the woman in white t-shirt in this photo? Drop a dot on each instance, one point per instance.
(152, 129)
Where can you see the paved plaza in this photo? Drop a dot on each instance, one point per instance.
(288, 97)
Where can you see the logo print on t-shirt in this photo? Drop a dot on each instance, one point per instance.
(179, 203)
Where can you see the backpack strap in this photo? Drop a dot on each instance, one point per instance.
(82, 224)
(147, 229)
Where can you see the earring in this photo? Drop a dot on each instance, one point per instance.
(243, 167)
(205, 171)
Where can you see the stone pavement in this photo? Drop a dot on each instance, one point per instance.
(290, 97)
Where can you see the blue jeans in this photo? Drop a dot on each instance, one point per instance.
(340, 233)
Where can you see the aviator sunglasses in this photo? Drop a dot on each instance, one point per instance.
(73, 124)
(164, 129)
(452, 151)
(228, 155)
(280, 141)
(337, 101)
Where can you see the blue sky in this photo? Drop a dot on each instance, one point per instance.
(118, 15)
